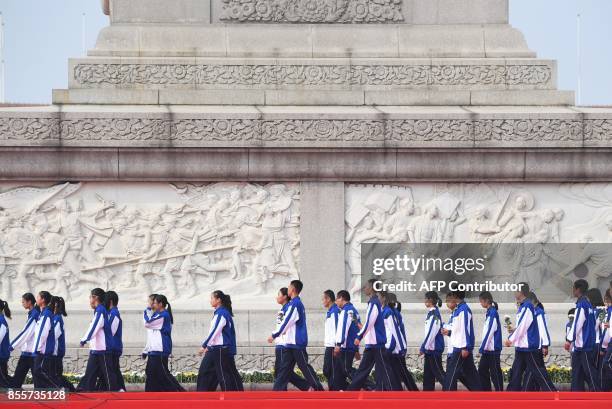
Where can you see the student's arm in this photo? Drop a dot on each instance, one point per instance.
(525, 320)
(57, 331)
(491, 329)
(291, 316)
(342, 328)
(97, 324)
(42, 332)
(576, 324)
(3, 332)
(216, 326)
(543, 329)
(430, 335)
(114, 324)
(390, 333)
(155, 321)
(24, 334)
(371, 317)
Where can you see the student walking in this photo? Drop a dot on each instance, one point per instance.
(58, 306)
(489, 367)
(330, 366)
(395, 347)
(529, 384)
(5, 344)
(219, 348)
(43, 371)
(346, 333)
(116, 328)
(25, 342)
(605, 370)
(433, 344)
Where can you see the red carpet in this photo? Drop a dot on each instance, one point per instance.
(321, 400)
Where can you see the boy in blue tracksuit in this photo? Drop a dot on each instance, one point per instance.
(98, 335)
(373, 334)
(218, 366)
(433, 344)
(295, 331)
(348, 328)
(582, 336)
(489, 367)
(529, 383)
(330, 366)
(526, 340)
(460, 363)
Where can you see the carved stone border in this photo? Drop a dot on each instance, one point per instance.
(89, 75)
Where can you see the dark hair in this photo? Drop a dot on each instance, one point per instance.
(46, 296)
(535, 300)
(608, 296)
(594, 296)
(330, 294)
(285, 292)
(58, 306)
(99, 294)
(30, 298)
(160, 298)
(226, 300)
(524, 288)
(371, 281)
(298, 285)
(152, 296)
(434, 298)
(344, 295)
(571, 311)
(458, 294)
(4, 309)
(391, 299)
(488, 297)
(111, 297)
(582, 286)
(398, 306)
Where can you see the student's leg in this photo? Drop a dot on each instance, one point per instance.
(516, 372)
(118, 375)
(286, 367)
(406, 375)
(539, 372)
(588, 369)
(107, 371)
(429, 380)
(24, 364)
(469, 373)
(453, 371)
(360, 376)
(59, 374)
(169, 381)
(294, 378)
(484, 371)
(207, 374)
(235, 374)
(385, 377)
(44, 373)
(154, 367)
(89, 379)
(327, 367)
(497, 376)
(301, 359)
(225, 365)
(4, 377)
(340, 374)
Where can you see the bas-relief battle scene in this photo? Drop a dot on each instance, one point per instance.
(177, 239)
(547, 218)
(187, 239)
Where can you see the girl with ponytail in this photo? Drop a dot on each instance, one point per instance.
(5, 344)
(489, 367)
(159, 347)
(58, 307)
(25, 342)
(433, 345)
(219, 348)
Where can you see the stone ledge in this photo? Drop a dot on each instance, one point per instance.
(305, 126)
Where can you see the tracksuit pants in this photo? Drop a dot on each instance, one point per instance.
(290, 358)
(58, 370)
(24, 365)
(158, 376)
(489, 370)
(294, 378)
(461, 369)
(606, 366)
(432, 371)
(43, 373)
(583, 370)
(529, 362)
(99, 366)
(377, 358)
(218, 367)
(332, 369)
(402, 373)
(5, 380)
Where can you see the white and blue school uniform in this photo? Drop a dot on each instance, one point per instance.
(159, 347)
(5, 353)
(218, 366)
(606, 365)
(346, 333)
(529, 383)
(295, 331)
(373, 334)
(59, 352)
(527, 343)
(330, 366)
(100, 363)
(279, 348)
(25, 342)
(432, 348)
(489, 367)
(396, 348)
(461, 337)
(116, 327)
(43, 371)
(583, 334)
